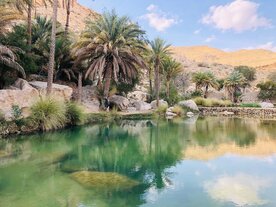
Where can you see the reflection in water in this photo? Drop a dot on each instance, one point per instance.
(162, 157)
(241, 189)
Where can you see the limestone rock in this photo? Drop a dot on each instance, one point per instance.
(141, 106)
(162, 103)
(266, 105)
(190, 104)
(120, 102)
(59, 91)
(170, 114)
(138, 95)
(103, 180)
(22, 95)
(190, 114)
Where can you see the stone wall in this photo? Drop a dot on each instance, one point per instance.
(238, 111)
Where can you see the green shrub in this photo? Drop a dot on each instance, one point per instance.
(161, 110)
(178, 110)
(16, 112)
(49, 113)
(208, 102)
(267, 90)
(74, 113)
(2, 116)
(248, 72)
(196, 94)
(253, 105)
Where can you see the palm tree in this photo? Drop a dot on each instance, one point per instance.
(27, 5)
(204, 79)
(112, 47)
(67, 4)
(9, 59)
(171, 69)
(52, 49)
(233, 83)
(159, 50)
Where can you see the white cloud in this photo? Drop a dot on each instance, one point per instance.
(240, 15)
(241, 189)
(196, 32)
(266, 46)
(211, 38)
(158, 19)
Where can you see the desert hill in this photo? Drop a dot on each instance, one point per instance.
(260, 59)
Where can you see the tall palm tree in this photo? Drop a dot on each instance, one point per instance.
(204, 79)
(112, 47)
(233, 83)
(27, 5)
(67, 4)
(171, 69)
(52, 49)
(159, 50)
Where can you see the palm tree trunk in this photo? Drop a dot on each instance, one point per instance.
(80, 87)
(68, 9)
(168, 89)
(52, 49)
(30, 25)
(150, 82)
(206, 91)
(107, 81)
(157, 81)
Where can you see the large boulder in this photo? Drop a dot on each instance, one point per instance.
(141, 106)
(190, 104)
(104, 180)
(162, 103)
(120, 102)
(266, 105)
(59, 91)
(21, 94)
(138, 96)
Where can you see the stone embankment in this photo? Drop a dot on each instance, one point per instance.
(238, 111)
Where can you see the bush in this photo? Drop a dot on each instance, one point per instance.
(16, 112)
(2, 116)
(208, 102)
(74, 113)
(49, 113)
(196, 94)
(267, 90)
(161, 110)
(253, 105)
(178, 110)
(174, 95)
(248, 72)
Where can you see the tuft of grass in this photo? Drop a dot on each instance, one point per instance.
(250, 105)
(212, 102)
(49, 113)
(161, 110)
(74, 113)
(178, 110)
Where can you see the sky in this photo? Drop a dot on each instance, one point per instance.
(225, 24)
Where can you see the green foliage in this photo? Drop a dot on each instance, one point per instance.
(178, 110)
(250, 105)
(124, 88)
(161, 110)
(212, 102)
(16, 112)
(49, 113)
(267, 90)
(74, 113)
(2, 116)
(196, 94)
(173, 97)
(248, 72)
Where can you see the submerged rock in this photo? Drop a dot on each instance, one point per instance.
(103, 180)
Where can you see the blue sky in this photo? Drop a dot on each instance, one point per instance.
(224, 24)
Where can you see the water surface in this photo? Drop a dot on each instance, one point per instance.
(208, 162)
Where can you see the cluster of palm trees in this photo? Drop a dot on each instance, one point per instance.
(112, 49)
(233, 83)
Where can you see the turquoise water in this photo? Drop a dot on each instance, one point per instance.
(206, 162)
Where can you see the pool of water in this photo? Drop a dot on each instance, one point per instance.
(205, 162)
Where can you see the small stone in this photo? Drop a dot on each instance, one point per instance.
(190, 114)
(266, 105)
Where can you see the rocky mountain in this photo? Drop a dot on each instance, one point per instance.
(79, 14)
